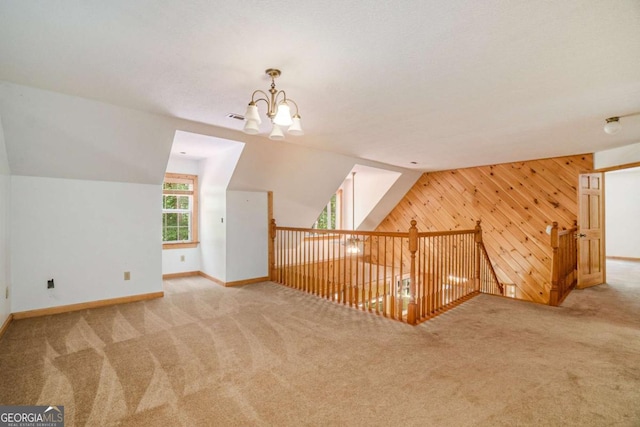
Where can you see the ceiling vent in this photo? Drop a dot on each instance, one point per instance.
(235, 116)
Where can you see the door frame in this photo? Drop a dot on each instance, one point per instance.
(604, 231)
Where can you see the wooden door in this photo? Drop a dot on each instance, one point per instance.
(591, 256)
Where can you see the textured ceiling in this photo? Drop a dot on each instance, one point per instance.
(444, 84)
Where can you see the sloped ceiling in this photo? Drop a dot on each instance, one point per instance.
(445, 84)
(59, 136)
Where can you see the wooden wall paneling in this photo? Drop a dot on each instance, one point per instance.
(555, 173)
(429, 215)
(437, 221)
(516, 225)
(562, 208)
(511, 274)
(546, 192)
(509, 213)
(526, 216)
(514, 201)
(562, 171)
(512, 241)
(537, 194)
(519, 215)
(427, 219)
(459, 217)
(556, 176)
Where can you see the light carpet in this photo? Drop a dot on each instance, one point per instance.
(266, 355)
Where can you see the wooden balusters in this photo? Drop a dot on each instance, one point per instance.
(413, 248)
(272, 242)
(408, 276)
(564, 262)
(478, 240)
(554, 296)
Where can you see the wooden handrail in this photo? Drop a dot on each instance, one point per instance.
(342, 232)
(445, 233)
(376, 233)
(408, 276)
(492, 270)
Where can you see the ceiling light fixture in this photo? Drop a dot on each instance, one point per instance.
(278, 111)
(613, 125)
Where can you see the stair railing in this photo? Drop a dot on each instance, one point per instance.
(408, 276)
(564, 263)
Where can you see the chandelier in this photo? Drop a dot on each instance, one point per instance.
(278, 111)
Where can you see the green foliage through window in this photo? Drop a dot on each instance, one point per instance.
(328, 219)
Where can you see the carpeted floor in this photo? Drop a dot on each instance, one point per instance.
(267, 355)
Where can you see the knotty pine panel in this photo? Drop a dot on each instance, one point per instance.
(514, 201)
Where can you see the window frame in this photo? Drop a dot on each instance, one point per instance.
(193, 242)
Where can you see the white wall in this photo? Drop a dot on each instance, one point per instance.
(181, 260)
(85, 235)
(89, 146)
(214, 176)
(303, 180)
(371, 185)
(617, 156)
(5, 192)
(622, 199)
(247, 235)
(374, 186)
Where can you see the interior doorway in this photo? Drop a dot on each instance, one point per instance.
(622, 228)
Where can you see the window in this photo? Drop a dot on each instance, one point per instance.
(403, 287)
(330, 218)
(179, 211)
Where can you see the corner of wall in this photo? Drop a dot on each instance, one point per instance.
(5, 203)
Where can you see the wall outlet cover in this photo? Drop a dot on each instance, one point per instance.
(127, 275)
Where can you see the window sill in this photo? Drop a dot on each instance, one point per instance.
(181, 245)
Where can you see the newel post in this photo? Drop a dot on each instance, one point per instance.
(478, 239)
(554, 295)
(413, 247)
(272, 250)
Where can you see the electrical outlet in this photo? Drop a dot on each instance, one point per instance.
(181, 258)
(127, 275)
(50, 284)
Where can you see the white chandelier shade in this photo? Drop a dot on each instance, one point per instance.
(276, 133)
(252, 114)
(296, 127)
(283, 116)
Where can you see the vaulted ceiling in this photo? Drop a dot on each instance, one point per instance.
(443, 84)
